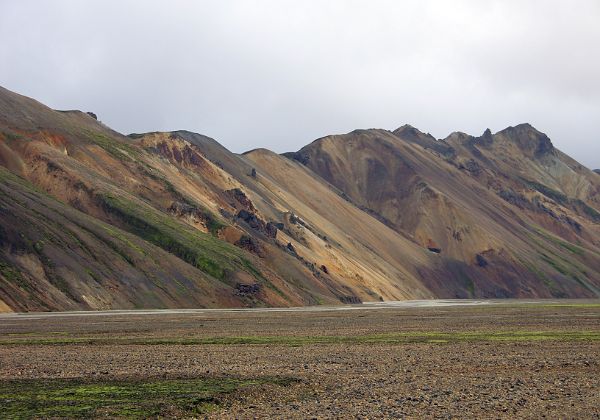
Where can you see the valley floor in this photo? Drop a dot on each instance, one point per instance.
(486, 359)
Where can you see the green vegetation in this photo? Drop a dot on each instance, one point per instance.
(388, 338)
(115, 233)
(13, 275)
(569, 267)
(11, 135)
(562, 199)
(470, 285)
(549, 192)
(120, 150)
(577, 250)
(212, 223)
(555, 264)
(590, 211)
(571, 305)
(203, 251)
(9, 272)
(51, 398)
(537, 272)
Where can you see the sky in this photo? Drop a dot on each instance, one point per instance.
(279, 74)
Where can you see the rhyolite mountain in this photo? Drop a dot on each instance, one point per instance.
(93, 219)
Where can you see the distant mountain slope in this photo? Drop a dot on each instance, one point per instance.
(480, 214)
(162, 190)
(92, 219)
(57, 258)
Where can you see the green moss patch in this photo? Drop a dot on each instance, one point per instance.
(51, 398)
(560, 198)
(388, 338)
(119, 150)
(201, 250)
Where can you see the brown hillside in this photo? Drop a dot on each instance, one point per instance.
(92, 219)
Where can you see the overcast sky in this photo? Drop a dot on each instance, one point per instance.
(278, 74)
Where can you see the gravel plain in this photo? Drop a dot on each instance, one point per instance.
(493, 361)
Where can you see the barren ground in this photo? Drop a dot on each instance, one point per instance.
(497, 360)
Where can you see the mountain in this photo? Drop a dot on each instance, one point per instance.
(93, 219)
(507, 213)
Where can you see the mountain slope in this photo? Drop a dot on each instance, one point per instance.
(171, 204)
(454, 205)
(92, 219)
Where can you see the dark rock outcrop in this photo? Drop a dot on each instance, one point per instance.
(271, 230)
(250, 244)
(481, 261)
(291, 248)
(252, 219)
(297, 156)
(195, 215)
(268, 229)
(242, 289)
(486, 138)
(240, 200)
(350, 300)
(472, 167)
(531, 141)
(433, 247)
(515, 199)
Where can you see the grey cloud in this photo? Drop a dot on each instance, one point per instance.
(278, 74)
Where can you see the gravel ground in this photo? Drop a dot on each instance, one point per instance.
(486, 378)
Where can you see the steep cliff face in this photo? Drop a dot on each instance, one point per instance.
(92, 219)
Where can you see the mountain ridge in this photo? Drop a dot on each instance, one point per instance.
(368, 215)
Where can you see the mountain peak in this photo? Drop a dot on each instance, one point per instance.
(486, 139)
(414, 135)
(530, 140)
(406, 127)
(409, 132)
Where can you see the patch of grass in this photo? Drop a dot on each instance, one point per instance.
(470, 285)
(577, 250)
(203, 251)
(388, 338)
(569, 267)
(213, 224)
(562, 199)
(33, 333)
(93, 275)
(557, 196)
(555, 264)
(571, 305)
(51, 398)
(12, 136)
(11, 273)
(538, 273)
(160, 235)
(119, 150)
(118, 235)
(589, 211)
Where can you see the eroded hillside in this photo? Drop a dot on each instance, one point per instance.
(92, 219)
